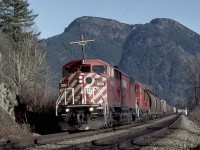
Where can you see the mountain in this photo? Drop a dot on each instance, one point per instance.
(160, 54)
(110, 36)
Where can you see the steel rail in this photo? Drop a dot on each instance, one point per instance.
(52, 138)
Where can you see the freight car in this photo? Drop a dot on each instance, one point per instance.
(182, 111)
(93, 94)
(149, 105)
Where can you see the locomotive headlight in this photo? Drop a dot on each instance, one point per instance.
(80, 77)
(67, 109)
(80, 81)
(91, 109)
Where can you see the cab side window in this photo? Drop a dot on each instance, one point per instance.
(118, 74)
(85, 68)
(137, 89)
(67, 71)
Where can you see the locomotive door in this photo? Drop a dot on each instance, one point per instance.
(118, 86)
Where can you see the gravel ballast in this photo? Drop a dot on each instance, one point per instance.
(79, 140)
(183, 134)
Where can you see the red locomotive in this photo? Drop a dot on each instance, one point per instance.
(94, 94)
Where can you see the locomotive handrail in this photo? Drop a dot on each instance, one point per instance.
(60, 98)
(57, 102)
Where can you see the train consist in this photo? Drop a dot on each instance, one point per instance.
(94, 94)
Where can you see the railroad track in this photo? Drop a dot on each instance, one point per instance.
(122, 141)
(45, 139)
(99, 139)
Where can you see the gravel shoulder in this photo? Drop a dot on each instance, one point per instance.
(183, 134)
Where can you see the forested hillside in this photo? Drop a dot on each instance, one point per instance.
(161, 54)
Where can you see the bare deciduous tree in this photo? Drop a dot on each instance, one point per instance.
(29, 68)
(29, 71)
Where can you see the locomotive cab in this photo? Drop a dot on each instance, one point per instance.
(142, 102)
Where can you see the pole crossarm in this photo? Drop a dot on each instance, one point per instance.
(82, 43)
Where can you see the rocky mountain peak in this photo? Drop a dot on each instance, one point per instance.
(100, 26)
(165, 23)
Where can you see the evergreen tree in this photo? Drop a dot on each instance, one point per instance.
(26, 57)
(16, 19)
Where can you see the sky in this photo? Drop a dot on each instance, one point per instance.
(55, 15)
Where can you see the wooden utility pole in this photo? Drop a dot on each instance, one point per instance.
(82, 43)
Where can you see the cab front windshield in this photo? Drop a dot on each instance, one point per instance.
(99, 69)
(82, 68)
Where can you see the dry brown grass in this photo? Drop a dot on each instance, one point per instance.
(194, 115)
(9, 129)
(195, 112)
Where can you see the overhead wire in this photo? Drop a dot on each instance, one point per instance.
(94, 10)
(96, 7)
(99, 6)
(128, 9)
